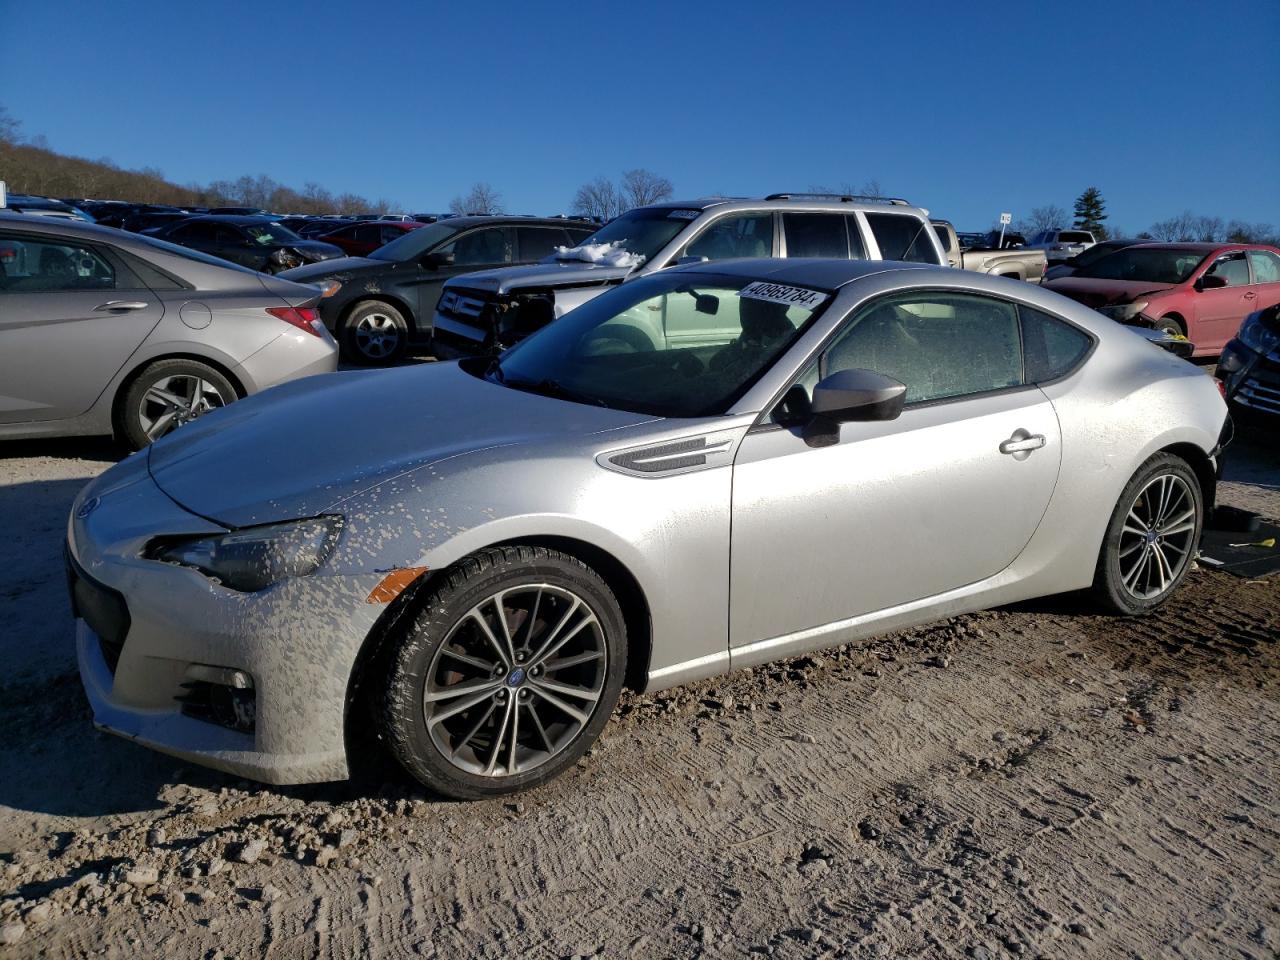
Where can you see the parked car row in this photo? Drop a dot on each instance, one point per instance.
(476, 286)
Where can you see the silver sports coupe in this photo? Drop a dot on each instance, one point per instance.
(107, 332)
(700, 470)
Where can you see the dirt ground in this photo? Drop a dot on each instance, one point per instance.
(1031, 781)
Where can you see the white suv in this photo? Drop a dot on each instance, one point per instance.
(485, 312)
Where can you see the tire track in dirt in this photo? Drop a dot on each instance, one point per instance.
(1038, 780)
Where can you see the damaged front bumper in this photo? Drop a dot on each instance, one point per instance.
(254, 684)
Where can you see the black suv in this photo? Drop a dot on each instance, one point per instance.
(385, 302)
(258, 243)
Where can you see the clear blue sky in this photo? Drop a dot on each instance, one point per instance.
(965, 107)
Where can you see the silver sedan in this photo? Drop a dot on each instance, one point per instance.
(700, 470)
(103, 331)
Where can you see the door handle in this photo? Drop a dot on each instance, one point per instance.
(1250, 295)
(1022, 442)
(123, 305)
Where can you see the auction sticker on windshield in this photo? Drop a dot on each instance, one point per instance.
(778, 293)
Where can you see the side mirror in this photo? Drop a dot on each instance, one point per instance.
(848, 396)
(437, 259)
(1207, 282)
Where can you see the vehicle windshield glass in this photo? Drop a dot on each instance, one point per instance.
(643, 232)
(1147, 265)
(187, 253)
(270, 233)
(1074, 236)
(676, 344)
(414, 243)
(1095, 253)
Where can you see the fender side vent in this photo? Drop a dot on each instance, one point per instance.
(671, 457)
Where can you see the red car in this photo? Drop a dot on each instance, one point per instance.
(1202, 291)
(362, 238)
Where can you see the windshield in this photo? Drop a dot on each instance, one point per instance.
(414, 243)
(1095, 253)
(188, 253)
(270, 233)
(643, 232)
(673, 345)
(1075, 236)
(1147, 265)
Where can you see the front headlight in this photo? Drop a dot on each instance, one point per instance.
(287, 258)
(1124, 311)
(254, 558)
(1256, 335)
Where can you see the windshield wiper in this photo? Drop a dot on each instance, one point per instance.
(554, 388)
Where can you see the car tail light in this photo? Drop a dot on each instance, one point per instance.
(306, 319)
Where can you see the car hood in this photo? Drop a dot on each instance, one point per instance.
(1104, 293)
(341, 269)
(301, 449)
(557, 273)
(315, 249)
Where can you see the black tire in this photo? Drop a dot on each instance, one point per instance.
(374, 334)
(139, 413)
(1172, 326)
(1119, 584)
(552, 740)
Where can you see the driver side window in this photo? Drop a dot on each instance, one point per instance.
(941, 345)
(481, 246)
(1232, 268)
(736, 235)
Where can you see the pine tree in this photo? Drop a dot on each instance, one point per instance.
(1091, 210)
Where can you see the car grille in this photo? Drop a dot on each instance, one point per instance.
(102, 608)
(1261, 391)
(458, 304)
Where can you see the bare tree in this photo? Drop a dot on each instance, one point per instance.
(482, 200)
(640, 188)
(598, 199)
(1180, 227)
(869, 188)
(1048, 217)
(9, 127)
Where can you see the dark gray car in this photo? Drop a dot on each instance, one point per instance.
(103, 331)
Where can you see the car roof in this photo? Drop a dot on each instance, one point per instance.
(512, 220)
(46, 224)
(1195, 247)
(823, 274)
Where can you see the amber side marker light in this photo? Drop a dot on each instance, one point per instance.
(393, 584)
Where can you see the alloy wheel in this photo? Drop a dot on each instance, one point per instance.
(516, 679)
(175, 400)
(1155, 542)
(377, 336)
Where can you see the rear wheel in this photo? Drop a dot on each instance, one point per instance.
(1152, 537)
(167, 395)
(374, 334)
(507, 675)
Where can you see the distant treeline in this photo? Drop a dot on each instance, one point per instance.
(30, 166)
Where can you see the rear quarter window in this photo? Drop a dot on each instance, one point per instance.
(902, 237)
(1052, 348)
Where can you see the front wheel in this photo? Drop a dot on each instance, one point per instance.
(1152, 537)
(507, 675)
(1171, 327)
(374, 334)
